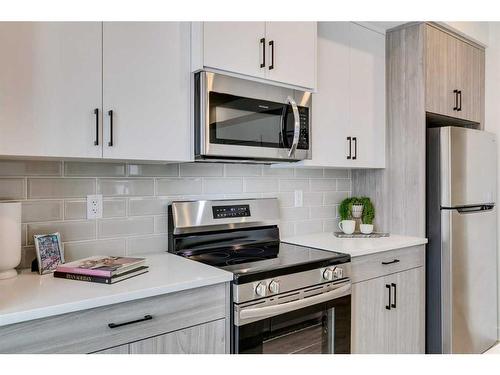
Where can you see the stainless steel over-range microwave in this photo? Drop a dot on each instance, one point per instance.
(241, 120)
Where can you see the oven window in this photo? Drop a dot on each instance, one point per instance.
(320, 329)
(307, 335)
(236, 120)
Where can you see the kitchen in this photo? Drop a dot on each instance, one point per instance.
(241, 193)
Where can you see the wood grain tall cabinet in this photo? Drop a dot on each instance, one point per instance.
(433, 75)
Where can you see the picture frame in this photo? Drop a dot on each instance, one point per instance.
(49, 252)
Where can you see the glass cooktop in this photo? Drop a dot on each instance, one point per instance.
(254, 262)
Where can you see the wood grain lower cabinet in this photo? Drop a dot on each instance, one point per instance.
(188, 314)
(208, 338)
(388, 312)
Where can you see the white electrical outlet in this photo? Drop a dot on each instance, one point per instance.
(299, 198)
(94, 206)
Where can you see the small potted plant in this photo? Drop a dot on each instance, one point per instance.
(366, 226)
(347, 224)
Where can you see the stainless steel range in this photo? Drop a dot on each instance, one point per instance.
(285, 298)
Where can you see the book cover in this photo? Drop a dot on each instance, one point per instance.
(102, 280)
(101, 266)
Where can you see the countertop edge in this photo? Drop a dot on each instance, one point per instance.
(393, 243)
(87, 304)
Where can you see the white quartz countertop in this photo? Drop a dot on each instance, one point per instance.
(31, 296)
(354, 246)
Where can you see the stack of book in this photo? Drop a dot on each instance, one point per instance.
(102, 269)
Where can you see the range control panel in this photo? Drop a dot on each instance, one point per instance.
(224, 212)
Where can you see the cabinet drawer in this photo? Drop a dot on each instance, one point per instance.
(380, 264)
(88, 331)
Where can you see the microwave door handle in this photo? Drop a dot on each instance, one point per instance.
(268, 311)
(296, 126)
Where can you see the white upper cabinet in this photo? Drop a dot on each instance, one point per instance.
(50, 86)
(146, 85)
(348, 118)
(60, 83)
(235, 47)
(292, 52)
(281, 52)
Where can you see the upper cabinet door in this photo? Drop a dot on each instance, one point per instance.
(50, 86)
(441, 72)
(291, 53)
(349, 108)
(146, 85)
(235, 47)
(470, 81)
(367, 96)
(330, 110)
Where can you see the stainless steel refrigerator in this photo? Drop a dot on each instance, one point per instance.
(461, 259)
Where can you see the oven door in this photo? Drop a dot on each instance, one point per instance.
(239, 127)
(319, 326)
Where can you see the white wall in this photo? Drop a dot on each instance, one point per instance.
(488, 33)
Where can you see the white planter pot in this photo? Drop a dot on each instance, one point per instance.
(366, 228)
(10, 238)
(357, 211)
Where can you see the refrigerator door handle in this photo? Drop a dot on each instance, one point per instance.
(470, 209)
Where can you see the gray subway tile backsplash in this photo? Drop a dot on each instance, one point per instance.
(131, 226)
(45, 210)
(94, 169)
(60, 187)
(179, 186)
(110, 187)
(69, 230)
(30, 168)
(153, 170)
(12, 188)
(136, 197)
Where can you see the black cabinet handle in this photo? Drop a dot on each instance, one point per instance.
(271, 44)
(355, 140)
(96, 113)
(115, 325)
(459, 100)
(263, 42)
(349, 155)
(456, 100)
(388, 306)
(391, 262)
(110, 113)
(394, 304)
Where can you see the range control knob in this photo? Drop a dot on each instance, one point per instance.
(328, 274)
(260, 289)
(274, 286)
(338, 273)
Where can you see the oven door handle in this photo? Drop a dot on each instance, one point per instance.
(268, 311)
(296, 126)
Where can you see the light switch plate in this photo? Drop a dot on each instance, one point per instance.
(94, 206)
(299, 198)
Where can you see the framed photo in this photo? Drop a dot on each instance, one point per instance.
(48, 252)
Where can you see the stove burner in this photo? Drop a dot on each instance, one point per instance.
(211, 257)
(243, 260)
(252, 251)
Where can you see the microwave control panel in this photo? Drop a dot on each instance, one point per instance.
(304, 128)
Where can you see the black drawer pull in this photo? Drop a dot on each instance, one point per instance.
(114, 325)
(388, 306)
(96, 113)
(391, 262)
(394, 304)
(263, 42)
(110, 113)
